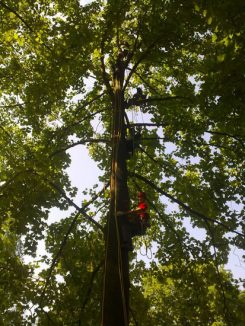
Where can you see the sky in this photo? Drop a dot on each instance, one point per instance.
(85, 2)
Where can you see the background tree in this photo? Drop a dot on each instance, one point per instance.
(179, 64)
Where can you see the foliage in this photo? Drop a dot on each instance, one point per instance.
(57, 64)
(181, 294)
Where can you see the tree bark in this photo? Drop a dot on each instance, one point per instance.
(115, 305)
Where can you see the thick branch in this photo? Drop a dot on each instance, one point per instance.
(181, 204)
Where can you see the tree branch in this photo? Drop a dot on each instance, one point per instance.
(81, 210)
(6, 132)
(181, 204)
(216, 264)
(17, 15)
(226, 134)
(14, 177)
(11, 106)
(150, 157)
(90, 102)
(145, 82)
(90, 286)
(142, 57)
(81, 142)
(155, 138)
(91, 115)
(148, 124)
(133, 316)
(23, 21)
(154, 99)
(236, 137)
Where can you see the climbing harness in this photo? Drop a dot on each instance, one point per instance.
(138, 218)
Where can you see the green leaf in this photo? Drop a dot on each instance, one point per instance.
(221, 57)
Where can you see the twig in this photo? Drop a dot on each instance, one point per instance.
(133, 315)
(217, 269)
(14, 177)
(148, 124)
(6, 132)
(91, 115)
(150, 157)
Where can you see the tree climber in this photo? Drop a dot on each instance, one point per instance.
(136, 223)
(133, 141)
(138, 96)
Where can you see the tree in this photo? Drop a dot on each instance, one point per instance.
(177, 63)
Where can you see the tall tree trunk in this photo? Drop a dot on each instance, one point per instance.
(116, 279)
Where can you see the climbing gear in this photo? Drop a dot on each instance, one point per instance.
(138, 218)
